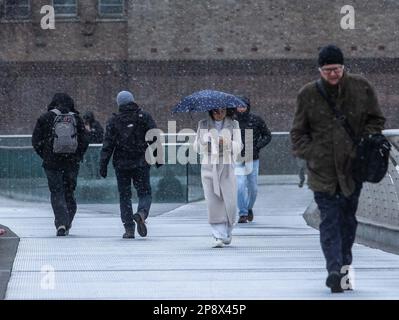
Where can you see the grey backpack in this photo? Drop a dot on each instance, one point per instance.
(65, 137)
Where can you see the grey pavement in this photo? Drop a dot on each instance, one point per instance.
(277, 256)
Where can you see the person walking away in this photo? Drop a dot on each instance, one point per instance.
(125, 140)
(247, 172)
(218, 141)
(93, 127)
(95, 134)
(59, 138)
(302, 169)
(320, 138)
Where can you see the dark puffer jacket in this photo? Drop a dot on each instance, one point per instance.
(42, 137)
(261, 133)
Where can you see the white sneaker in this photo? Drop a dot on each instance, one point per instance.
(227, 241)
(218, 243)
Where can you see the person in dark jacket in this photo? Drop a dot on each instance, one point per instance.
(302, 170)
(61, 169)
(125, 140)
(93, 127)
(319, 138)
(247, 171)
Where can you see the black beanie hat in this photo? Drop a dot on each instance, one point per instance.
(330, 55)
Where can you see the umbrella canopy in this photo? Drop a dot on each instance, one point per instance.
(206, 100)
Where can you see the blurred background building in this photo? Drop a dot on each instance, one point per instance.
(162, 50)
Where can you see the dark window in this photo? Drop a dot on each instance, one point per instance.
(16, 9)
(66, 8)
(111, 7)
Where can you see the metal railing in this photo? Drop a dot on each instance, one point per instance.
(22, 177)
(379, 203)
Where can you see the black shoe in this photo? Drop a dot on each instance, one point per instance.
(250, 215)
(61, 231)
(139, 217)
(334, 282)
(243, 219)
(301, 183)
(129, 233)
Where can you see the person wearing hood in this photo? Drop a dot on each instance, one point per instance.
(255, 136)
(125, 142)
(94, 129)
(59, 138)
(318, 136)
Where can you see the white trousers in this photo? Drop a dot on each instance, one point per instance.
(222, 230)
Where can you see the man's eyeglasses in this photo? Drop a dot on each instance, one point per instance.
(331, 70)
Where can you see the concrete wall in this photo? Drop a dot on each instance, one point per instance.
(207, 29)
(8, 250)
(235, 29)
(164, 50)
(272, 86)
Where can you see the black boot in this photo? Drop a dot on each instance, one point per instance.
(250, 215)
(61, 231)
(129, 232)
(139, 217)
(334, 282)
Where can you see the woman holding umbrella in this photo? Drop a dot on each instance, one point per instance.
(218, 141)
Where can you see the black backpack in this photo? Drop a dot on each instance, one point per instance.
(131, 130)
(372, 151)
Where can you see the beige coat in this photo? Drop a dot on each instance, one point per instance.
(217, 168)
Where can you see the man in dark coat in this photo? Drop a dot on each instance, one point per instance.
(61, 169)
(125, 140)
(319, 138)
(247, 172)
(93, 127)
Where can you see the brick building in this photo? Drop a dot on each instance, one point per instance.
(163, 50)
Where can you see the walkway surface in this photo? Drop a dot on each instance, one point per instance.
(277, 256)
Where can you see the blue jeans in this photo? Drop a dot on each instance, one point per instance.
(247, 185)
(337, 227)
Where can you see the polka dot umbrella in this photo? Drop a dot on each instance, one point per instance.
(205, 100)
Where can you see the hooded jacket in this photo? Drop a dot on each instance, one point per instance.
(42, 136)
(261, 133)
